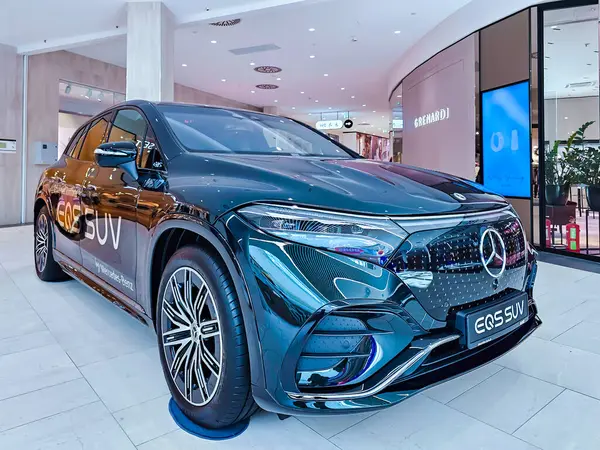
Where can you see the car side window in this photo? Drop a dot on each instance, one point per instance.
(128, 125)
(75, 144)
(151, 157)
(94, 137)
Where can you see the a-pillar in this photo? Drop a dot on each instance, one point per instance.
(150, 48)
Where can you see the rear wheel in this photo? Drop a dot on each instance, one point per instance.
(202, 340)
(46, 267)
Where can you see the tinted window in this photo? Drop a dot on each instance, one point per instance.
(219, 130)
(151, 157)
(75, 144)
(94, 138)
(128, 125)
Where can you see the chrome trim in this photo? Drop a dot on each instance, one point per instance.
(388, 380)
(491, 212)
(382, 216)
(101, 151)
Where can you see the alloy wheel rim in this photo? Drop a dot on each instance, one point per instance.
(191, 336)
(41, 243)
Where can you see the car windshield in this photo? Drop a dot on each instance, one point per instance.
(214, 130)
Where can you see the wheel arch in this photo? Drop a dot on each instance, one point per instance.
(173, 233)
(40, 202)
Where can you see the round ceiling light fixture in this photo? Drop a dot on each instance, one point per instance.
(226, 23)
(267, 69)
(267, 86)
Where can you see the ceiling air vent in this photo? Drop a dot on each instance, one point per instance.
(254, 49)
(267, 69)
(226, 23)
(267, 86)
(581, 84)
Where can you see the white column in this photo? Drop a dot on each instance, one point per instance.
(150, 48)
(271, 110)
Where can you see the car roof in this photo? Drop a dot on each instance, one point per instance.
(195, 105)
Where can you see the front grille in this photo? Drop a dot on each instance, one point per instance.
(443, 267)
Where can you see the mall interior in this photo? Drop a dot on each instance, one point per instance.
(501, 93)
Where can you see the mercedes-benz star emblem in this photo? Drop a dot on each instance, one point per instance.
(459, 196)
(492, 252)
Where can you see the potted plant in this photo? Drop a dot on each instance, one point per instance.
(586, 161)
(563, 170)
(591, 176)
(593, 189)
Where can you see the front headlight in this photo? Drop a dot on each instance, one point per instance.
(372, 239)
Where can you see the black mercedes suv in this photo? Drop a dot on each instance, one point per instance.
(279, 268)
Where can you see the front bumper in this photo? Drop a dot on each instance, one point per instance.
(333, 332)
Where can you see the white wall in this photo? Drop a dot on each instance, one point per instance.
(577, 110)
(446, 82)
(471, 17)
(10, 128)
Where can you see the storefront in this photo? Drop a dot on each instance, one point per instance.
(515, 106)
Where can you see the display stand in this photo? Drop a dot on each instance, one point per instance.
(205, 433)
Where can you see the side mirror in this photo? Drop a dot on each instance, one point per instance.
(118, 154)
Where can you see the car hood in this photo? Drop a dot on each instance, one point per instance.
(219, 183)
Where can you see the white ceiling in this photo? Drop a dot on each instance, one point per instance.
(571, 52)
(360, 67)
(354, 42)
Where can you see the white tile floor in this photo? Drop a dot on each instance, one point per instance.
(76, 372)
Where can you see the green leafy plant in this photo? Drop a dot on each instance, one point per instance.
(569, 167)
(592, 166)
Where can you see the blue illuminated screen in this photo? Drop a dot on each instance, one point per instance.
(506, 140)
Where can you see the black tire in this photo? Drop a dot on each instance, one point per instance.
(231, 399)
(46, 267)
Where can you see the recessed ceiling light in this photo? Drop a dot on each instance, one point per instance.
(275, 101)
(364, 106)
(252, 92)
(316, 101)
(223, 80)
(398, 96)
(278, 79)
(252, 63)
(566, 118)
(302, 92)
(325, 74)
(311, 29)
(353, 96)
(293, 107)
(330, 107)
(555, 27)
(310, 114)
(343, 89)
(374, 111)
(397, 32)
(184, 65)
(213, 42)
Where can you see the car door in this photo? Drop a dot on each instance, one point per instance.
(67, 178)
(108, 249)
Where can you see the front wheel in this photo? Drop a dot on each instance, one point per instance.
(202, 340)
